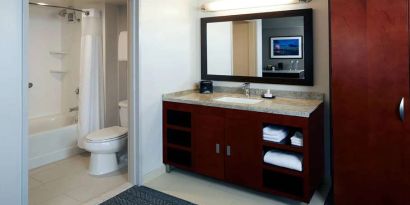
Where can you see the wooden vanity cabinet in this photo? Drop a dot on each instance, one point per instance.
(227, 144)
(209, 143)
(242, 163)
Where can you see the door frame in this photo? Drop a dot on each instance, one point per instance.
(134, 139)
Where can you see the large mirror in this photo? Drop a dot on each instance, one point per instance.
(274, 47)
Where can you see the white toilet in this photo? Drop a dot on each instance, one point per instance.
(105, 143)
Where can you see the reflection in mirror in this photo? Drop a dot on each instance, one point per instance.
(256, 48)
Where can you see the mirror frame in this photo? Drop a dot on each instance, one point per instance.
(308, 47)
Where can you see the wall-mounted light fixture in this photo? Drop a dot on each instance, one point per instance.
(222, 5)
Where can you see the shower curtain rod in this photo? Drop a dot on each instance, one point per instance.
(61, 7)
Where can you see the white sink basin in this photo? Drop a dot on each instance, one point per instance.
(238, 100)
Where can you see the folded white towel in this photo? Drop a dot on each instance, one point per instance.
(281, 159)
(297, 136)
(276, 138)
(274, 130)
(283, 141)
(299, 144)
(297, 139)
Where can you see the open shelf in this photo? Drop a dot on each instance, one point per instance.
(179, 137)
(279, 169)
(180, 157)
(179, 118)
(174, 127)
(283, 147)
(286, 146)
(282, 170)
(283, 183)
(179, 147)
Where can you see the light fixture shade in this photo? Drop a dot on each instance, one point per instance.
(123, 46)
(222, 5)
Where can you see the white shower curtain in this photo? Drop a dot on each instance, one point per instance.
(91, 112)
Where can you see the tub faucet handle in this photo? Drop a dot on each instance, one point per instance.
(72, 109)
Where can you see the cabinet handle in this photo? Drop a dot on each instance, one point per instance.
(228, 150)
(218, 148)
(401, 109)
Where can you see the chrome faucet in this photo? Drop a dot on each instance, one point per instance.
(72, 109)
(247, 89)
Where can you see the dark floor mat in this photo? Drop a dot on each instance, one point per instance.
(144, 196)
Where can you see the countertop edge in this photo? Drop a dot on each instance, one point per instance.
(167, 98)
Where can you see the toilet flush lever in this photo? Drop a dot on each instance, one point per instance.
(401, 109)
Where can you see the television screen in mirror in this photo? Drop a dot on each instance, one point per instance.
(266, 48)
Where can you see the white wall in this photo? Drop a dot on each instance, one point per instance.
(167, 64)
(122, 25)
(115, 18)
(219, 48)
(321, 54)
(13, 126)
(111, 64)
(44, 36)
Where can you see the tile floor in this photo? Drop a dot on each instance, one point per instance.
(202, 190)
(67, 182)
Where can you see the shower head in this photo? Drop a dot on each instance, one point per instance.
(71, 15)
(63, 13)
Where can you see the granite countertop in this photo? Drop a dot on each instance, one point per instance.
(297, 104)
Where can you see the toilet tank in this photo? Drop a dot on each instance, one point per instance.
(123, 105)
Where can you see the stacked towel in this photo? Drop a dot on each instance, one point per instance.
(297, 139)
(274, 134)
(282, 159)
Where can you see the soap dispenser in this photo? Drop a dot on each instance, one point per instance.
(268, 95)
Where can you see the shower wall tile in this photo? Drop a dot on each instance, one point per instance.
(44, 36)
(71, 43)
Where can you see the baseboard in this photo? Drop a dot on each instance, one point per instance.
(153, 174)
(53, 157)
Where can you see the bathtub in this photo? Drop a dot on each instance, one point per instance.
(52, 138)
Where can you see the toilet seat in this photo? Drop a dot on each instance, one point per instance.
(107, 134)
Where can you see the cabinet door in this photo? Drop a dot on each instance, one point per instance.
(208, 139)
(370, 77)
(242, 165)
